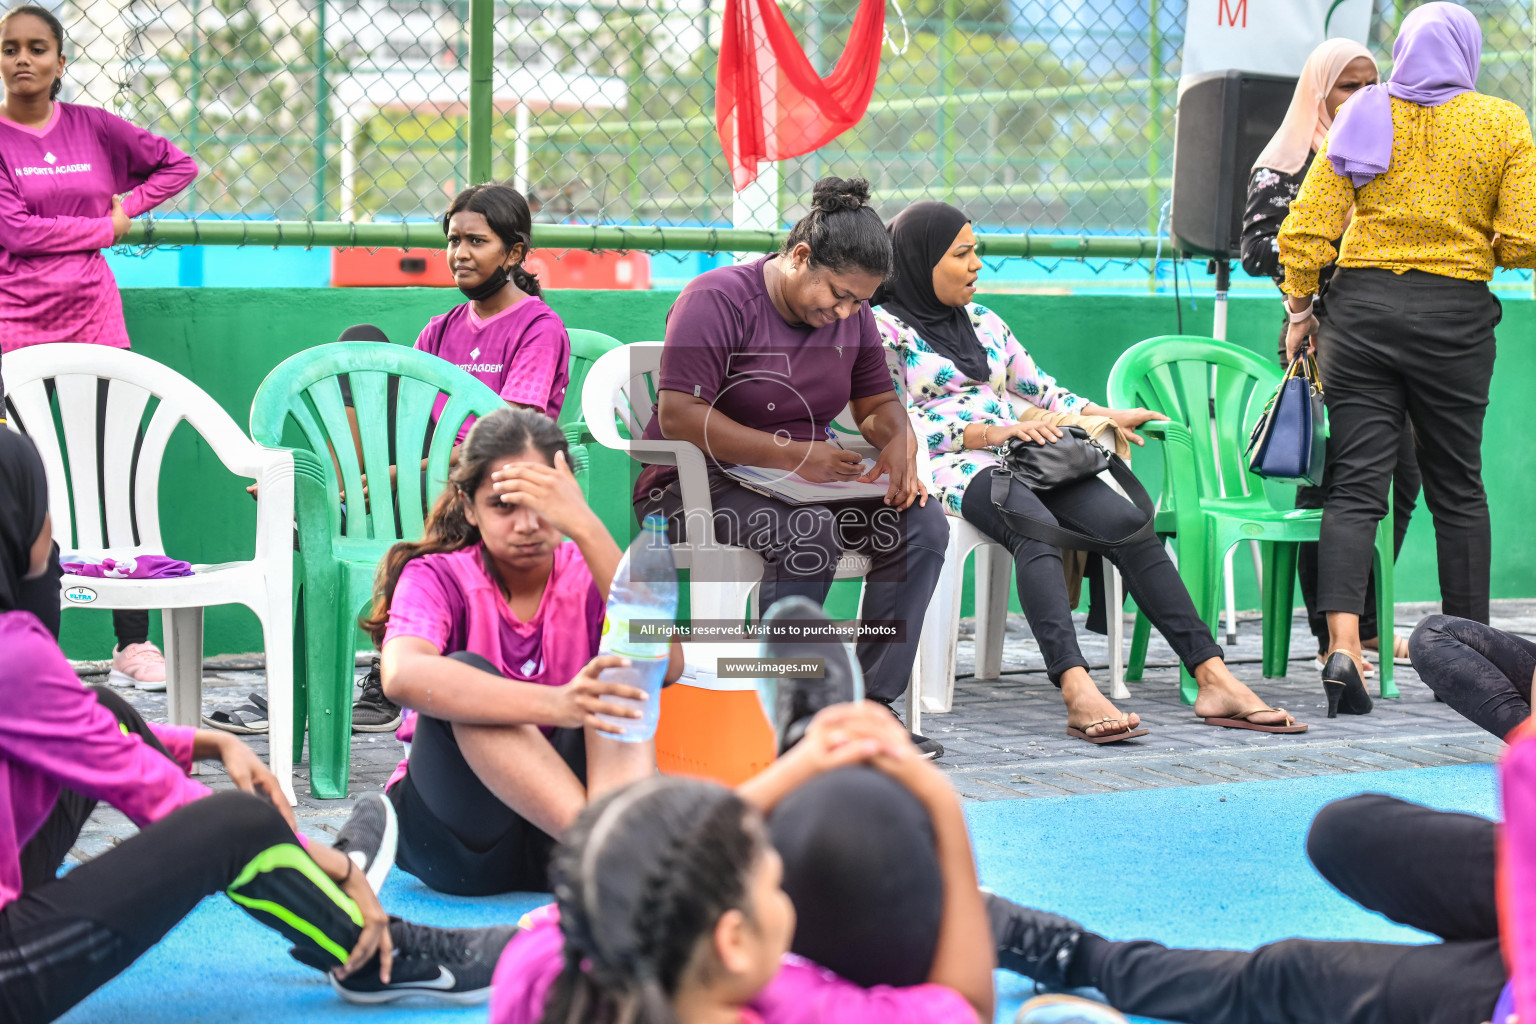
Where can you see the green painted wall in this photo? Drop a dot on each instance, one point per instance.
(228, 339)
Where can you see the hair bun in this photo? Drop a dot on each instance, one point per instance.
(833, 194)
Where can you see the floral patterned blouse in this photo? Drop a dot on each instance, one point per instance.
(946, 400)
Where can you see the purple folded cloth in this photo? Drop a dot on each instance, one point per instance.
(144, 567)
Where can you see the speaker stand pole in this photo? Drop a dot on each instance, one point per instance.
(1223, 271)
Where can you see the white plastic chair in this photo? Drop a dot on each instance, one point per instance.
(132, 497)
(620, 390)
(994, 571)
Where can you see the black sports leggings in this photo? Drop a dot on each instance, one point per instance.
(1092, 507)
(455, 834)
(64, 937)
(862, 869)
(1482, 672)
(1427, 869)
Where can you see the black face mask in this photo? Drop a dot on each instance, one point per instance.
(490, 286)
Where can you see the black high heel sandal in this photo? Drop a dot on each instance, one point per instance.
(1343, 687)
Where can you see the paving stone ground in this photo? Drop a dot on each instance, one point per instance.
(1006, 738)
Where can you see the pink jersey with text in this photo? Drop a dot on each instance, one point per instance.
(56, 189)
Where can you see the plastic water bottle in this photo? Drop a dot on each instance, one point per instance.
(644, 591)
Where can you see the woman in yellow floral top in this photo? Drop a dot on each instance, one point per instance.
(960, 367)
(1442, 180)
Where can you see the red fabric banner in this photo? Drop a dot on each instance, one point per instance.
(770, 104)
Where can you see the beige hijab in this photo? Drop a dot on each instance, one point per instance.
(1307, 122)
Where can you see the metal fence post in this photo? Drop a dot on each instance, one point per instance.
(194, 102)
(322, 113)
(1153, 132)
(482, 24)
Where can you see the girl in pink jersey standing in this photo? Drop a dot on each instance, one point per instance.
(505, 335)
(64, 170)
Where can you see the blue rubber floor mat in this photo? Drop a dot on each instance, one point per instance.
(1220, 865)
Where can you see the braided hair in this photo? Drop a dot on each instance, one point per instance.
(644, 875)
(506, 211)
(843, 232)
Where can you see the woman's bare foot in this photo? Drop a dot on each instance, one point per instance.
(1223, 695)
(1087, 707)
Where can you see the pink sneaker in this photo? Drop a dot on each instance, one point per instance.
(140, 665)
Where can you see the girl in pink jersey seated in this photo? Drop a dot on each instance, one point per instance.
(63, 171)
(505, 335)
(676, 900)
(488, 629)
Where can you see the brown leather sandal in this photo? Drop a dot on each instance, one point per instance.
(1107, 737)
(1243, 721)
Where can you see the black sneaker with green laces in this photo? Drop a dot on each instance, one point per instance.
(451, 965)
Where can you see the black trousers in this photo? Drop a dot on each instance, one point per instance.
(1482, 672)
(801, 544)
(1091, 507)
(455, 834)
(65, 937)
(1406, 483)
(862, 869)
(1427, 869)
(1419, 345)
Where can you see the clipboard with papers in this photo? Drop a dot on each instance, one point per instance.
(793, 489)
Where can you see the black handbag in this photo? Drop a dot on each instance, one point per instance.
(1043, 467)
(1289, 441)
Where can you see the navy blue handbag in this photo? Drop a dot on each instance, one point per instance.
(1289, 440)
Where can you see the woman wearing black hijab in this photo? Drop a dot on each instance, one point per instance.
(29, 560)
(962, 368)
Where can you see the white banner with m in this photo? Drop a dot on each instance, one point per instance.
(1267, 36)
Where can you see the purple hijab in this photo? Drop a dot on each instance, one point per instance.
(1434, 60)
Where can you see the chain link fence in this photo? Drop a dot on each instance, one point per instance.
(1037, 116)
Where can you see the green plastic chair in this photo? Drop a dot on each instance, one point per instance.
(1210, 500)
(337, 560)
(587, 347)
(589, 460)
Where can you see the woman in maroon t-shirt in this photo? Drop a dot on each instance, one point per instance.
(759, 360)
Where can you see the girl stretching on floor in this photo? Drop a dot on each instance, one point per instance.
(677, 901)
(64, 748)
(489, 629)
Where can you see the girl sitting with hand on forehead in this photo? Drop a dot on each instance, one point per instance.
(488, 629)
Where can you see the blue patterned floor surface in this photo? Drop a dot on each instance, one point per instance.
(1219, 865)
